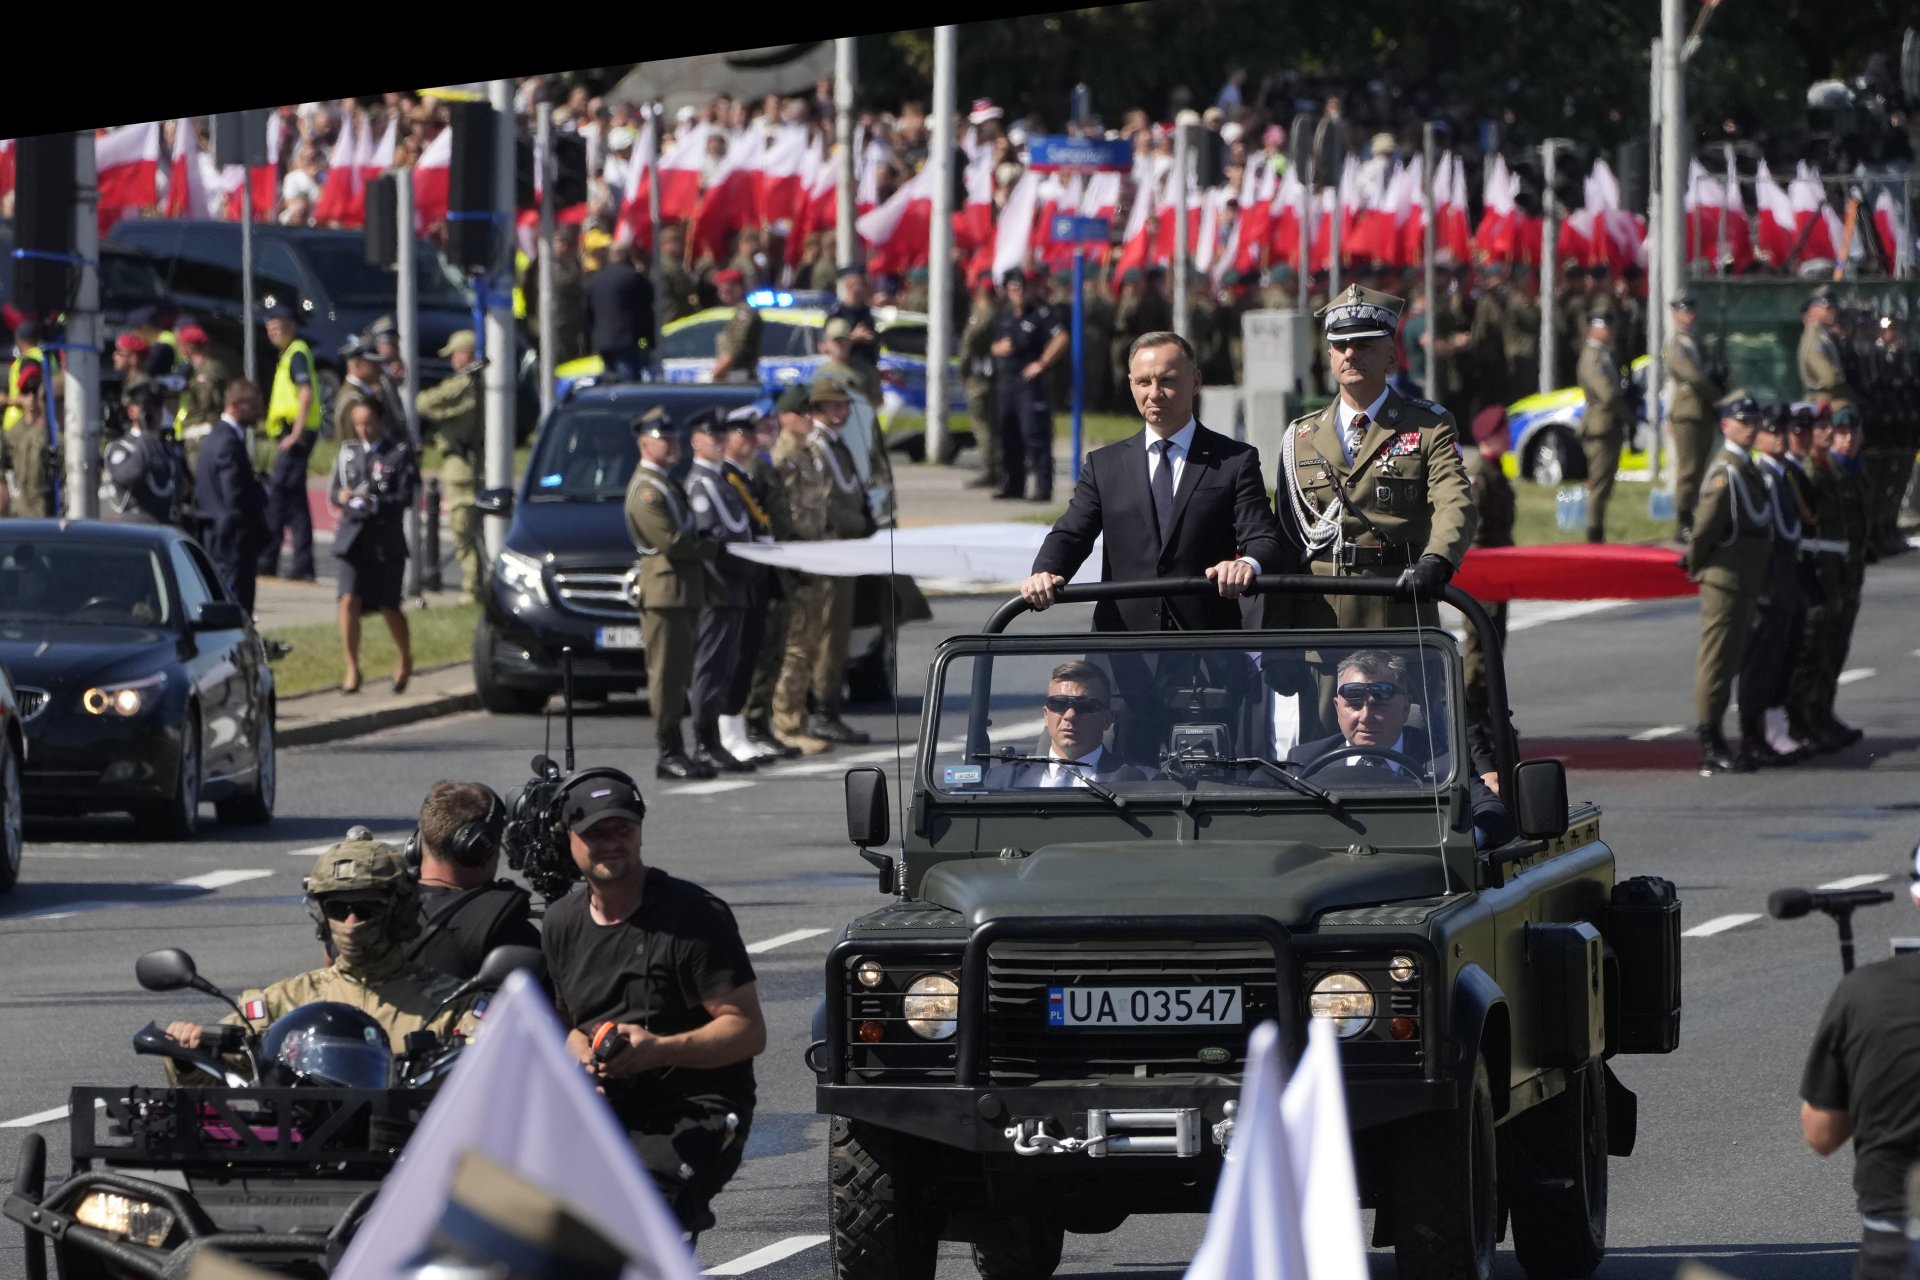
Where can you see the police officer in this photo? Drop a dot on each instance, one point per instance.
(674, 581)
(809, 490)
(740, 469)
(720, 515)
(458, 420)
(1375, 481)
(1728, 557)
(1027, 340)
(293, 420)
(1695, 394)
(143, 475)
(736, 351)
(365, 908)
(467, 909)
(1603, 427)
(976, 365)
(1782, 609)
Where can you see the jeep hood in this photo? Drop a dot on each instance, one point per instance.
(1291, 883)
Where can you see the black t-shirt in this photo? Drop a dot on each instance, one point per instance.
(462, 925)
(1865, 1061)
(658, 967)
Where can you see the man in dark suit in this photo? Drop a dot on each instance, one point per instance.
(1373, 702)
(232, 502)
(1175, 501)
(619, 301)
(1078, 711)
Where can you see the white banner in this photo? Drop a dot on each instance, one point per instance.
(996, 554)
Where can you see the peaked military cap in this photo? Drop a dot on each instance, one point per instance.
(1741, 406)
(655, 422)
(1362, 313)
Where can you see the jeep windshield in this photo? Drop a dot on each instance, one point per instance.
(1301, 721)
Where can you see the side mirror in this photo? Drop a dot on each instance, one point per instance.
(1540, 798)
(494, 502)
(503, 962)
(168, 970)
(220, 615)
(867, 819)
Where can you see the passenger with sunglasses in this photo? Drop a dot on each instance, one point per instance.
(1078, 711)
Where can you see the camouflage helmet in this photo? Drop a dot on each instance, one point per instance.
(359, 865)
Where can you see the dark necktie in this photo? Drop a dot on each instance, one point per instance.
(1356, 432)
(1162, 487)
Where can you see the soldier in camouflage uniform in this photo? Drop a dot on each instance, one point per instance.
(1487, 347)
(679, 294)
(737, 351)
(809, 490)
(1810, 718)
(26, 451)
(453, 412)
(1695, 392)
(770, 490)
(1520, 341)
(206, 393)
(365, 906)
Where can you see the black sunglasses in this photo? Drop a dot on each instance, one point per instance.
(1060, 704)
(1356, 692)
(341, 908)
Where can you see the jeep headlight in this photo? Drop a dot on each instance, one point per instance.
(1345, 1000)
(932, 1006)
(123, 699)
(522, 573)
(121, 1216)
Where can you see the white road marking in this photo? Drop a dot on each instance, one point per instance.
(1852, 882)
(712, 788)
(1720, 924)
(43, 1117)
(1558, 611)
(1659, 731)
(766, 1257)
(1858, 673)
(781, 940)
(218, 879)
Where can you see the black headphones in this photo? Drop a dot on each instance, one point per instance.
(473, 843)
(573, 780)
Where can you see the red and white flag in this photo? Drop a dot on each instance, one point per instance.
(1283, 236)
(1776, 231)
(680, 168)
(432, 176)
(127, 161)
(820, 209)
(1495, 236)
(1453, 241)
(782, 177)
(334, 208)
(1815, 224)
(973, 222)
(1886, 222)
(727, 204)
(6, 166)
(1133, 240)
(379, 157)
(263, 181)
(896, 233)
(1013, 232)
(187, 195)
(866, 180)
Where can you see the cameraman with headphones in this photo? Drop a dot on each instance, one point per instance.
(1862, 1082)
(468, 909)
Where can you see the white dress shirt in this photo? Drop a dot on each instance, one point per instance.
(1072, 773)
(1345, 415)
(1180, 443)
(1399, 745)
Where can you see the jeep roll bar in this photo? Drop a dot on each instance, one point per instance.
(1500, 731)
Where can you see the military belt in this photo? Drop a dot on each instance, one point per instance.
(1392, 555)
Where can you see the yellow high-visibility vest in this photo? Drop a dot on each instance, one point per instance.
(521, 264)
(284, 403)
(16, 371)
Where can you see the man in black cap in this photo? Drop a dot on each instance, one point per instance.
(720, 515)
(1028, 340)
(650, 971)
(675, 577)
(1603, 427)
(1695, 393)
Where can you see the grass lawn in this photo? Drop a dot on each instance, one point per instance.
(441, 635)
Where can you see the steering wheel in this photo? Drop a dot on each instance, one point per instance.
(1407, 762)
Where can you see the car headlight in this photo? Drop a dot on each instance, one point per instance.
(1344, 999)
(522, 573)
(121, 1216)
(123, 699)
(932, 1006)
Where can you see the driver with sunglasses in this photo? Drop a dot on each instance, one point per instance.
(365, 907)
(1372, 703)
(1078, 711)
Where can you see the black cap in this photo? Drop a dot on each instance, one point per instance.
(1775, 419)
(844, 272)
(1741, 407)
(595, 799)
(1684, 302)
(655, 422)
(1013, 275)
(274, 309)
(1820, 298)
(711, 421)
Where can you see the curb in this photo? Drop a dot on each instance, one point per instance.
(352, 726)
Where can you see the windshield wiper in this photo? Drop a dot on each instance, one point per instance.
(1280, 771)
(1099, 789)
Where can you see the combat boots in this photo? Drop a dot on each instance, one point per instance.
(1717, 757)
(760, 737)
(828, 726)
(708, 751)
(673, 761)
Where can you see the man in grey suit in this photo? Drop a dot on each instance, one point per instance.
(1078, 711)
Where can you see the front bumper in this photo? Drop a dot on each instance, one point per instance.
(528, 635)
(79, 761)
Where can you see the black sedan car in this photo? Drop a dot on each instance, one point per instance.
(144, 685)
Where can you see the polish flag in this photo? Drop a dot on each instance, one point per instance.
(379, 158)
(1133, 241)
(1739, 235)
(1453, 242)
(728, 203)
(1169, 224)
(1408, 199)
(811, 163)
(1013, 235)
(1714, 224)
(262, 180)
(1283, 238)
(432, 175)
(1373, 222)
(1255, 223)
(866, 184)
(896, 232)
(1100, 199)
(1206, 236)
(973, 222)
(1887, 224)
(335, 206)
(127, 161)
(781, 186)
(821, 209)
(680, 166)
(6, 166)
(1494, 237)
(1056, 197)
(1776, 217)
(1814, 221)
(187, 195)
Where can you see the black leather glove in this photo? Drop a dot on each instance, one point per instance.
(1428, 576)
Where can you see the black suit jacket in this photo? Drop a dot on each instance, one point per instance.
(619, 307)
(229, 495)
(1492, 822)
(1220, 511)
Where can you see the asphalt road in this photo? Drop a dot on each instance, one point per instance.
(1720, 1172)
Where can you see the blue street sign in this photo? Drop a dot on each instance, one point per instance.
(1057, 151)
(1070, 229)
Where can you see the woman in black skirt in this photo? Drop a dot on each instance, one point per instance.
(375, 479)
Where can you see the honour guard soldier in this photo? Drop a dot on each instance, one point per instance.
(1603, 428)
(1695, 393)
(1815, 676)
(1376, 481)
(1821, 373)
(720, 515)
(848, 516)
(143, 479)
(1783, 606)
(1728, 556)
(672, 588)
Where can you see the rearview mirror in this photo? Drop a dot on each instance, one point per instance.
(167, 970)
(220, 615)
(867, 815)
(1540, 798)
(494, 502)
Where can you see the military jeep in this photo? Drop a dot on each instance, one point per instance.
(1044, 1030)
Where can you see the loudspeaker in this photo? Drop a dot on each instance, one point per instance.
(474, 242)
(383, 223)
(569, 177)
(43, 209)
(240, 137)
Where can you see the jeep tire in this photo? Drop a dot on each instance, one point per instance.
(1554, 1170)
(878, 1205)
(1019, 1249)
(1445, 1191)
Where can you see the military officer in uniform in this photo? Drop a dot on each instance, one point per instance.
(1520, 341)
(454, 413)
(1375, 481)
(1855, 489)
(26, 450)
(1821, 374)
(679, 293)
(720, 515)
(809, 492)
(1809, 713)
(1487, 341)
(206, 391)
(769, 488)
(1783, 606)
(737, 350)
(1493, 499)
(1728, 556)
(674, 581)
(848, 516)
(976, 364)
(1695, 393)
(362, 383)
(1603, 428)
(143, 477)
(740, 470)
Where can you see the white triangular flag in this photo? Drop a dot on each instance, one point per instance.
(1254, 1231)
(1314, 1111)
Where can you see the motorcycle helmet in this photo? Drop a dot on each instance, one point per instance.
(328, 1043)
